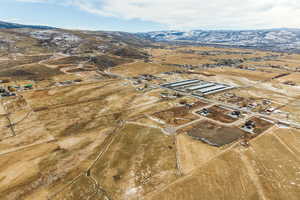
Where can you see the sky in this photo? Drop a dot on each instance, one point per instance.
(154, 15)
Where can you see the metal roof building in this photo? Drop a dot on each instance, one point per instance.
(213, 88)
(197, 87)
(201, 86)
(182, 83)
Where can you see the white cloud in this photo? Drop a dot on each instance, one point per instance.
(194, 14)
(33, 1)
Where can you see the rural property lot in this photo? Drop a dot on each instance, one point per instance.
(220, 114)
(214, 134)
(179, 115)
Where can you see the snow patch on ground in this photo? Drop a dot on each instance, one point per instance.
(132, 192)
(55, 36)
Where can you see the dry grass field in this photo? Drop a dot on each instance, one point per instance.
(140, 68)
(225, 177)
(108, 136)
(250, 75)
(277, 168)
(192, 153)
(133, 164)
(257, 173)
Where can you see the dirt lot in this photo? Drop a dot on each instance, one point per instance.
(214, 134)
(261, 125)
(176, 116)
(220, 114)
(179, 115)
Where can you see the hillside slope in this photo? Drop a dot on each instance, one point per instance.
(271, 39)
(27, 53)
(8, 25)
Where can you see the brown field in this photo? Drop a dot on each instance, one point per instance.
(83, 93)
(219, 178)
(290, 137)
(30, 72)
(179, 115)
(290, 63)
(220, 114)
(19, 123)
(265, 167)
(78, 134)
(251, 75)
(293, 77)
(192, 153)
(82, 188)
(293, 110)
(214, 134)
(176, 116)
(139, 68)
(21, 170)
(276, 166)
(132, 165)
(7, 64)
(182, 59)
(103, 139)
(261, 125)
(182, 55)
(5, 132)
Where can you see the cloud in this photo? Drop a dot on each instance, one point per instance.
(33, 1)
(199, 14)
(91, 6)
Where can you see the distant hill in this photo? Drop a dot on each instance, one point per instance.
(8, 25)
(269, 39)
(72, 42)
(280, 40)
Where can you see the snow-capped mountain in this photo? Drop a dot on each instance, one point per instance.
(272, 39)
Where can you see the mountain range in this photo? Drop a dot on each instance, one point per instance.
(8, 25)
(283, 39)
(268, 39)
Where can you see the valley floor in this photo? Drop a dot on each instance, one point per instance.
(118, 134)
